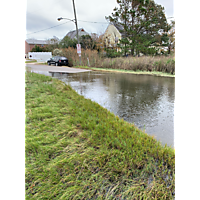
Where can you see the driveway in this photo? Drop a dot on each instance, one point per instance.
(53, 69)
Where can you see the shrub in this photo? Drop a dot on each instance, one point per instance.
(143, 63)
(93, 56)
(57, 52)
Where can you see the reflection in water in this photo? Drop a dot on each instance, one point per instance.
(146, 101)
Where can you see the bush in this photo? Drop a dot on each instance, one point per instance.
(39, 49)
(57, 52)
(143, 63)
(94, 57)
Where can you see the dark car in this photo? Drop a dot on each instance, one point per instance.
(58, 61)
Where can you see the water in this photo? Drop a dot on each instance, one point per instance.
(146, 101)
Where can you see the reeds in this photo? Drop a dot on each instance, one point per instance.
(93, 57)
(164, 64)
(144, 63)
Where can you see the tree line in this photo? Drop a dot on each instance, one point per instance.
(142, 24)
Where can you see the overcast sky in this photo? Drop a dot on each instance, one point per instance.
(41, 15)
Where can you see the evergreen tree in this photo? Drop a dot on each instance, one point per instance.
(142, 24)
(87, 42)
(68, 42)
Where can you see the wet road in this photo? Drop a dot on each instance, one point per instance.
(47, 68)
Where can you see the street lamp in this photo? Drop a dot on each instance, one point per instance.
(60, 18)
(75, 21)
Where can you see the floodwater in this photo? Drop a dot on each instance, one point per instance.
(146, 101)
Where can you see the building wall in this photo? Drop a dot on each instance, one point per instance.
(110, 35)
(29, 47)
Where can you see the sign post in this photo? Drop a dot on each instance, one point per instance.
(76, 28)
(79, 51)
(78, 48)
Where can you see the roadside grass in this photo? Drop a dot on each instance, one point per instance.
(92, 58)
(30, 61)
(139, 72)
(76, 149)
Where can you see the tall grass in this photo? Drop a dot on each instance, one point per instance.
(144, 63)
(94, 58)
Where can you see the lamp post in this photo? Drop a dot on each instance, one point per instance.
(75, 21)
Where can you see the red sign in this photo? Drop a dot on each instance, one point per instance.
(78, 48)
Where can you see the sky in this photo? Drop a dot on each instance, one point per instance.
(42, 23)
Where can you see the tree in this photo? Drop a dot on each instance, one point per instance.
(99, 42)
(39, 49)
(53, 43)
(87, 42)
(68, 42)
(171, 36)
(141, 23)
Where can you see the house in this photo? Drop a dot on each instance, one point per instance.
(31, 43)
(111, 37)
(72, 34)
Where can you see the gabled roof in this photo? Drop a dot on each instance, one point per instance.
(120, 28)
(34, 41)
(81, 31)
(115, 29)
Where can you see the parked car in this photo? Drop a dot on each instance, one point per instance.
(58, 61)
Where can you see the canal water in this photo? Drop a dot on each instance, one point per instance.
(146, 101)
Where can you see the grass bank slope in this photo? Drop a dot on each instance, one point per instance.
(75, 149)
(138, 72)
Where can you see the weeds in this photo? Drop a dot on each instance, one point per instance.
(76, 149)
(164, 64)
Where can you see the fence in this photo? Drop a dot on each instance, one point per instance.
(40, 56)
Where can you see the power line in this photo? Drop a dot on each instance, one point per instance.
(94, 22)
(47, 28)
(77, 20)
(65, 23)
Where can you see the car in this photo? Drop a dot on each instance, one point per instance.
(58, 61)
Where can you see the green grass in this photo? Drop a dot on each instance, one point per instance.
(30, 61)
(138, 72)
(76, 149)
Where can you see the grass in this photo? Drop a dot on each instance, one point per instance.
(30, 61)
(76, 149)
(161, 64)
(164, 64)
(139, 72)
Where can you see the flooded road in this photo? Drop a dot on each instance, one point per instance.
(146, 101)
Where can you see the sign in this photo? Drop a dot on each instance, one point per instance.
(78, 48)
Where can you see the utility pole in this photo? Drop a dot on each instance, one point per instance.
(76, 27)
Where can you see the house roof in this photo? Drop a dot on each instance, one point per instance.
(34, 41)
(81, 31)
(114, 30)
(120, 28)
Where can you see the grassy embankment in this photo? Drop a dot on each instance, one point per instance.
(138, 72)
(75, 149)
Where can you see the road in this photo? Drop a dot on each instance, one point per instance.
(53, 69)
